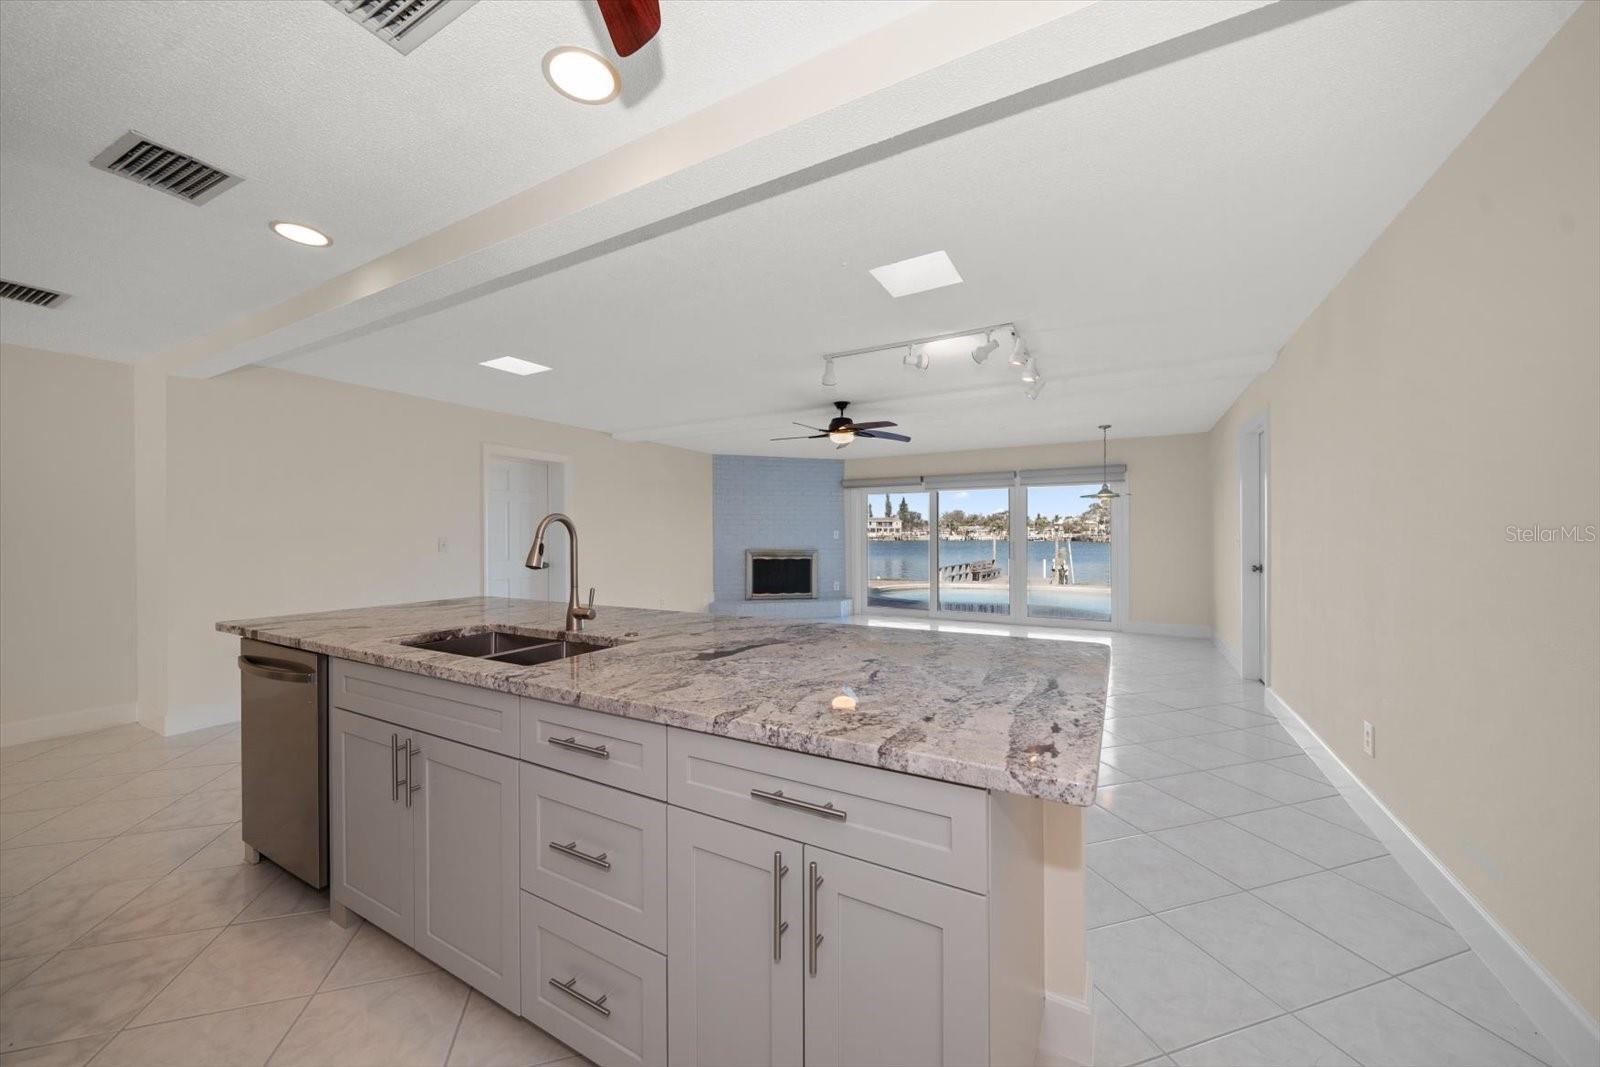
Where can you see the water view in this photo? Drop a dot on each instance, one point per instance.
(897, 577)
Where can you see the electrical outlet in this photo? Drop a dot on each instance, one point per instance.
(1366, 738)
(444, 544)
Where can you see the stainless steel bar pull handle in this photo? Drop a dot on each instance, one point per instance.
(815, 883)
(573, 744)
(779, 927)
(394, 767)
(569, 987)
(571, 849)
(276, 670)
(775, 796)
(412, 752)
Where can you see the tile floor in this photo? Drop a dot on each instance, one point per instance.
(132, 932)
(1240, 912)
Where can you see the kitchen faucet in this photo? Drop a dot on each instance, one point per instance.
(576, 613)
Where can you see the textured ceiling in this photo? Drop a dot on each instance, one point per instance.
(328, 126)
(1156, 238)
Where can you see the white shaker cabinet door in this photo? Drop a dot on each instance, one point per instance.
(369, 832)
(901, 973)
(465, 807)
(734, 945)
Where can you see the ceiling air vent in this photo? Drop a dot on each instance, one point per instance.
(136, 157)
(404, 24)
(28, 294)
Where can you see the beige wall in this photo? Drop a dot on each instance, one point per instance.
(66, 543)
(1444, 391)
(1169, 508)
(288, 493)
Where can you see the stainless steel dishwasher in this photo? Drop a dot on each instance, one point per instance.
(284, 757)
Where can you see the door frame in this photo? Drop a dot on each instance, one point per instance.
(1255, 631)
(560, 493)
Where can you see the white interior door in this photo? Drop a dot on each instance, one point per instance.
(1253, 542)
(517, 494)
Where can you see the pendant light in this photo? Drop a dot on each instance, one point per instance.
(1105, 495)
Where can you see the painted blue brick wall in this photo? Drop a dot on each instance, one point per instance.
(763, 502)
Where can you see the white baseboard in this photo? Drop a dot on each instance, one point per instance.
(183, 720)
(1571, 1030)
(1168, 629)
(42, 727)
(1229, 653)
(1066, 1032)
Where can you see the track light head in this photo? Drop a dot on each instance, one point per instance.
(1033, 390)
(984, 350)
(1030, 371)
(1019, 351)
(829, 378)
(916, 356)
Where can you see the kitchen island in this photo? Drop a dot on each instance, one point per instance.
(662, 849)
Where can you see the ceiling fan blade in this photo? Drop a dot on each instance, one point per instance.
(631, 23)
(845, 445)
(882, 435)
(872, 425)
(803, 437)
(818, 429)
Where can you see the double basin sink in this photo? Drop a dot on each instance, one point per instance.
(498, 646)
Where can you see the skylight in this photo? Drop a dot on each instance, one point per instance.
(513, 365)
(917, 274)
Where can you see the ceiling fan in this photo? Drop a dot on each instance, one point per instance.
(631, 23)
(841, 431)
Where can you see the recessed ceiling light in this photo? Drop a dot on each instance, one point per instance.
(581, 75)
(918, 274)
(513, 365)
(301, 235)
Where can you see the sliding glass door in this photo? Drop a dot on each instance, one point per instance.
(974, 551)
(1069, 554)
(1000, 553)
(897, 551)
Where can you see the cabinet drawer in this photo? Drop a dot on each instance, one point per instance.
(482, 718)
(933, 829)
(625, 753)
(596, 851)
(612, 1004)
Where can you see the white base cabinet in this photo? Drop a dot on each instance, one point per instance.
(897, 967)
(650, 895)
(424, 843)
(736, 945)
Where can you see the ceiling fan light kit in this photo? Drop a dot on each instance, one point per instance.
(842, 430)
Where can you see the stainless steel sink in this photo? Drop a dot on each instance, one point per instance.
(502, 647)
(488, 643)
(546, 653)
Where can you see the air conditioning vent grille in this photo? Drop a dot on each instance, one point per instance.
(30, 294)
(403, 24)
(139, 159)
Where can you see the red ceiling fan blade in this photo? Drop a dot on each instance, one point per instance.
(631, 23)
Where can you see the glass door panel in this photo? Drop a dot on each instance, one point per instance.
(1069, 554)
(974, 551)
(897, 551)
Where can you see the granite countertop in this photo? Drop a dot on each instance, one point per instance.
(1010, 714)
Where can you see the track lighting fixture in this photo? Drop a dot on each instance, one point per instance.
(1033, 390)
(1019, 351)
(916, 356)
(829, 378)
(983, 351)
(1030, 371)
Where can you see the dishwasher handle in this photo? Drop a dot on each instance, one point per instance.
(276, 670)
